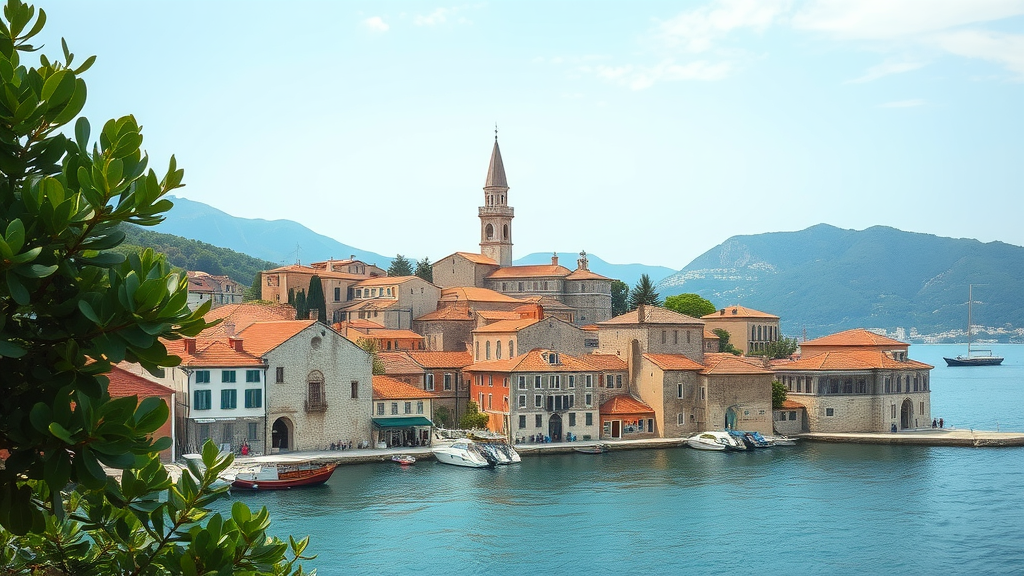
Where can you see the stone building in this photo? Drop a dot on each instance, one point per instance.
(508, 338)
(219, 290)
(443, 375)
(351, 266)
(392, 301)
(749, 330)
(858, 381)
(280, 282)
(401, 413)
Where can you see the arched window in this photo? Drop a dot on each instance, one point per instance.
(489, 232)
(497, 349)
(505, 232)
(487, 350)
(511, 351)
(316, 400)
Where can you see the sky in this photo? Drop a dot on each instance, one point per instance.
(642, 132)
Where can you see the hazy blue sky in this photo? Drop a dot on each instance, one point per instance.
(639, 131)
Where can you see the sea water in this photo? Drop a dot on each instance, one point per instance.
(810, 509)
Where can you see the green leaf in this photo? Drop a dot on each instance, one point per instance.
(9, 349)
(18, 291)
(60, 432)
(36, 270)
(82, 130)
(58, 88)
(86, 309)
(15, 235)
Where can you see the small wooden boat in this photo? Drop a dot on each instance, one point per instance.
(283, 476)
(403, 459)
(593, 449)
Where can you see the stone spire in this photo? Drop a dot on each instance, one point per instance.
(496, 215)
(496, 170)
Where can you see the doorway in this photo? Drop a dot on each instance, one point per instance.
(555, 428)
(730, 419)
(906, 414)
(280, 435)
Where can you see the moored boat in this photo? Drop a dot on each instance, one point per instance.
(403, 459)
(282, 476)
(714, 440)
(983, 357)
(592, 449)
(464, 452)
(779, 440)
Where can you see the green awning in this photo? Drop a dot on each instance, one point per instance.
(401, 422)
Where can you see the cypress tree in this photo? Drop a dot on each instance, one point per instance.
(315, 299)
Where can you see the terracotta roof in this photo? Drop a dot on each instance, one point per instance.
(548, 303)
(605, 361)
(673, 362)
(262, 337)
(242, 315)
(852, 360)
(855, 337)
(625, 404)
(388, 334)
(471, 294)
(387, 388)
(124, 383)
(791, 405)
(458, 312)
(589, 328)
(652, 315)
(499, 315)
(475, 258)
(358, 323)
(506, 326)
(300, 269)
(386, 280)
(496, 168)
(581, 274)
(532, 271)
(738, 311)
(439, 359)
(708, 335)
(728, 364)
(212, 353)
(534, 361)
(399, 363)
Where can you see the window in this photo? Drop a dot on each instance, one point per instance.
(227, 376)
(572, 380)
(511, 350)
(228, 433)
(428, 383)
(337, 294)
(893, 411)
(538, 421)
(490, 380)
(588, 399)
(203, 377)
(536, 381)
(640, 425)
(792, 415)
(830, 412)
(522, 401)
(254, 430)
(408, 407)
(522, 382)
(922, 408)
(701, 392)
(590, 380)
(679, 390)
(380, 408)
(201, 400)
(572, 418)
(538, 401)
(280, 374)
(394, 408)
(487, 347)
(522, 421)
(355, 388)
(478, 350)
(555, 381)
(675, 336)
(680, 419)
(447, 380)
(663, 333)
(588, 418)
(490, 401)
(228, 399)
(618, 381)
(254, 398)
(252, 375)
(497, 350)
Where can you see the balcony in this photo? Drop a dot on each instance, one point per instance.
(316, 405)
(506, 211)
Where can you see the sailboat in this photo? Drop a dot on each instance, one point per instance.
(974, 357)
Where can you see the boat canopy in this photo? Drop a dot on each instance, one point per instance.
(402, 422)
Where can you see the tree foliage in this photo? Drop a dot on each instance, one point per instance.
(620, 293)
(690, 304)
(400, 266)
(255, 290)
(370, 345)
(301, 305)
(315, 300)
(473, 418)
(723, 342)
(778, 394)
(71, 308)
(443, 417)
(643, 293)
(781, 348)
(425, 270)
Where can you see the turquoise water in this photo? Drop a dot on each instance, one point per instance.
(810, 509)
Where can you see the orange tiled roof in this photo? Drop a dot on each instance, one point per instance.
(605, 361)
(624, 404)
(475, 258)
(532, 271)
(499, 315)
(212, 353)
(708, 335)
(852, 360)
(457, 312)
(855, 337)
(387, 388)
(124, 383)
(242, 315)
(383, 334)
(473, 294)
(262, 337)
(791, 405)
(399, 363)
(673, 362)
(738, 311)
(439, 359)
(652, 315)
(589, 328)
(548, 303)
(534, 361)
(506, 326)
(581, 274)
(386, 280)
(725, 364)
(300, 269)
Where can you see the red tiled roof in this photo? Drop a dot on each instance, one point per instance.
(242, 315)
(852, 360)
(388, 388)
(399, 363)
(581, 274)
(533, 271)
(475, 258)
(652, 315)
(624, 404)
(391, 334)
(729, 364)
(673, 362)
(262, 337)
(439, 359)
(791, 405)
(212, 353)
(548, 303)
(457, 312)
(124, 383)
(506, 326)
(738, 311)
(855, 337)
(605, 361)
(708, 335)
(473, 294)
(300, 269)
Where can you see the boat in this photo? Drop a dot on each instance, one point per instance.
(592, 449)
(715, 440)
(779, 440)
(983, 357)
(284, 475)
(403, 459)
(464, 452)
(495, 445)
(750, 439)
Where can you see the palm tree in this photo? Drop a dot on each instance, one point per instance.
(643, 293)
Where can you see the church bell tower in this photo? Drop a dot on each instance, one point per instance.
(496, 215)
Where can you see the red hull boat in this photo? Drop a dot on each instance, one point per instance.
(284, 476)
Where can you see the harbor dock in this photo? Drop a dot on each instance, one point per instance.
(923, 437)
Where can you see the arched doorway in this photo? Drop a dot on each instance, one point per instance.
(555, 428)
(906, 414)
(730, 418)
(281, 435)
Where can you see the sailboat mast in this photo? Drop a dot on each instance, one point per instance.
(970, 305)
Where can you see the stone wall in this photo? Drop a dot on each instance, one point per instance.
(748, 395)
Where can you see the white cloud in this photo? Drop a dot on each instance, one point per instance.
(889, 19)
(376, 24)
(697, 30)
(885, 69)
(903, 104)
(1006, 49)
(438, 16)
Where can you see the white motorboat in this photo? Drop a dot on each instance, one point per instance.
(463, 452)
(780, 440)
(714, 440)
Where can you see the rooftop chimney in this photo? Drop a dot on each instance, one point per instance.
(641, 314)
(554, 259)
(235, 343)
(229, 329)
(190, 345)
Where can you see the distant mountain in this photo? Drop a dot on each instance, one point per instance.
(825, 279)
(628, 273)
(273, 240)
